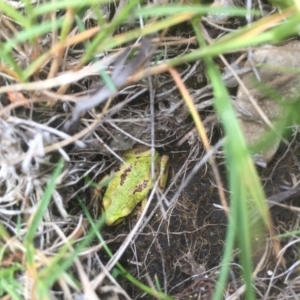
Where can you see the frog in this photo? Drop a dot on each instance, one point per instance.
(132, 182)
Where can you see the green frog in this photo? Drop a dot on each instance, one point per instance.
(132, 182)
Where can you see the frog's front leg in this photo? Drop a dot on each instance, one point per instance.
(140, 208)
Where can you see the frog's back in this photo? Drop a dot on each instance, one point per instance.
(133, 184)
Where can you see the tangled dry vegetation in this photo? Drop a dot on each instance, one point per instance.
(67, 110)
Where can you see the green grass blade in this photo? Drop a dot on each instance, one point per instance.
(170, 10)
(53, 6)
(32, 33)
(120, 269)
(240, 167)
(14, 14)
(43, 205)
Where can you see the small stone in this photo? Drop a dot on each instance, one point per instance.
(220, 17)
(278, 87)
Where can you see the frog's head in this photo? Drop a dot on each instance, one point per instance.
(115, 216)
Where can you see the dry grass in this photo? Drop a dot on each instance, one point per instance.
(83, 84)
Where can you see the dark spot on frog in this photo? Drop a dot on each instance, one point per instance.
(141, 187)
(124, 175)
(117, 169)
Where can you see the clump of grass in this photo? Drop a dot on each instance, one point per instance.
(55, 54)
